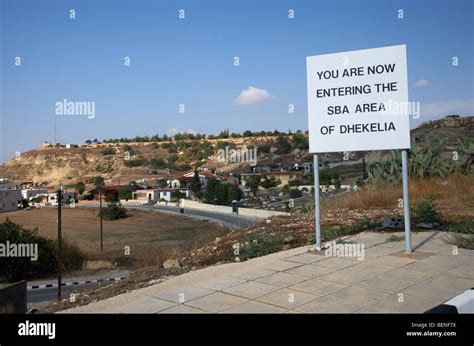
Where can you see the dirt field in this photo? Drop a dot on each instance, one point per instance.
(138, 231)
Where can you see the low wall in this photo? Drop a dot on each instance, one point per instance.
(228, 209)
(13, 298)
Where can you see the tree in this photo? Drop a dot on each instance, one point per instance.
(283, 146)
(224, 134)
(299, 141)
(270, 183)
(253, 182)
(196, 184)
(177, 195)
(247, 133)
(295, 193)
(98, 182)
(295, 182)
(80, 187)
(113, 211)
(88, 141)
(125, 193)
(221, 193)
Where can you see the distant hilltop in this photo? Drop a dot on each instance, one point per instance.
(448, 129)
(121, 162)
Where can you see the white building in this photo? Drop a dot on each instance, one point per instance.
(10, 200)
(146, 195)
(32, 193)
(66, 196)
(167, 194)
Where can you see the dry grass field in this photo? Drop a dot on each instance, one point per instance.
(141, 231)
(454, 196)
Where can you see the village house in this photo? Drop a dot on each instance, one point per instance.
(156, 195)
(29, 194)
(52, 197)
(10, 199)
(108, 192)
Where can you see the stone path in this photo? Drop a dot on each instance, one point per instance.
(303, 281)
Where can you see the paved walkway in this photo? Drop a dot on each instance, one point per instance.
(303, 281)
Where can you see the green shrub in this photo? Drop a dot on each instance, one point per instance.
(104, 167)
(261, 245)
(113, 211)
(134, 163)
(463, 226)
(426, 210)
(18, 268)
(395, 238)
(108, 151)
(295, 193)
(464, 241)
(264, 148)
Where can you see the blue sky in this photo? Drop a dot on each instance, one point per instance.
(190, 61)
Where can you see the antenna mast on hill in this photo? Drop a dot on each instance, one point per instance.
(54, 127)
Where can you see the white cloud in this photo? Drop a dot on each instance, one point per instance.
(253, 95)
(421, 83)
(460, 107)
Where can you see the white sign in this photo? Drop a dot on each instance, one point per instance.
(358, 100)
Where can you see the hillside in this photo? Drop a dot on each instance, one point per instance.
(149, 160)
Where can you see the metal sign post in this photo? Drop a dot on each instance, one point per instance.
(406, 201)
(317, 211)
(60, 243)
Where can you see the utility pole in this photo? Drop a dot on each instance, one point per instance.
(364, 176)
(100, 208)
(60, 245)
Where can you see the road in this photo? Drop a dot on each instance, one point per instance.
(227, 219)
(41, 292)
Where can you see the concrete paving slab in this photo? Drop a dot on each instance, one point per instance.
(408, 275)
(317, 287)
(329, 305)
(310, 271)
(347, 277)
(145, 305)
(216, 302)
(286, 298)
(337, 263)
(180, 294)
(282, 279)
(464, 270)
(183, 309)
(251, 289)
(452, 259)
(408, 304)
(429, 266)
(451, 282)
(280, 265)
(385, 283)
(254, 307)
(359, 295)
(306, 258)
(426, 290)
(220, 283)
(392, 261)
(252, 274)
